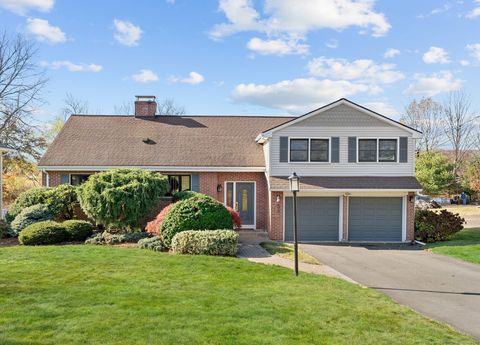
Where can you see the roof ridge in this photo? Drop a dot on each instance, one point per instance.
(159, 116)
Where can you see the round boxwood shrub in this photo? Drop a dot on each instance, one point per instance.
(29, 215)
(59, 200)
(196, 213)
(186, 194)
(78, 230)
(47, 232)
(208, 242)
(121, 197)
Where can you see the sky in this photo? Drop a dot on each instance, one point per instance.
(262, 57)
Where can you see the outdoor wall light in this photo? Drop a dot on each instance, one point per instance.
(277, 199)
(219, 188)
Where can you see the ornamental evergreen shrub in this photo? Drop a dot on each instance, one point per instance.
(431, 226)
(109, 238)
(153, 227)
(59, 200)
(208, 242)
(121, 197)
(30, 215)
(186, 194)
(47, 232)
(3, 229)
(153, 243)
(78, 230)
(196, 213)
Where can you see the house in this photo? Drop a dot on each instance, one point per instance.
(357, 167)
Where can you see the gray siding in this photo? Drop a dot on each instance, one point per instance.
(375, 219)
(318, 218)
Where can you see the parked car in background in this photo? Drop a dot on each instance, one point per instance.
(426, 201)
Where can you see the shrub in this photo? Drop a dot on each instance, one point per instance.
(153, 243)
(187, 194)
(47, 232)
(153, 227)
(121, 197)
(109, 238)
(4, 229)
(30, 215)
(431, 226)
(196, 213)
(59, 200)
(235, 217)
(78, 230)
(209, 242)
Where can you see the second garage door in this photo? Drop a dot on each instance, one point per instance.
(318, 218)
(375, 219)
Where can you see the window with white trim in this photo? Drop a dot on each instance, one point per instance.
(309, 150)
(298, 150)
(377, 150)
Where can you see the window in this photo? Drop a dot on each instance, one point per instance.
(319, 150)
(368, 149)
(298, 150)
(387, 150)
(78, 179)
(179, 183)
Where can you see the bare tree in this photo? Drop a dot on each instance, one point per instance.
(168, 107)
(123, 109)
(74, 105)
(426, 116)
(459, 125)
(21, 81)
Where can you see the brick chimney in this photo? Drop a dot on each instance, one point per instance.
(145, 106)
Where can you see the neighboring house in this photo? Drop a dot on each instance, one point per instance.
(357, 167)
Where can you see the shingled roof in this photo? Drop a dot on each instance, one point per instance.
(192, 141)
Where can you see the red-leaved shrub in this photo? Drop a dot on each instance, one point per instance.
(153, 227)
(235, 217)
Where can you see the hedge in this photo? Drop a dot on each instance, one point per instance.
(196, 213)
(47, 232)
(186, 194)
(153, 243)
(108, 238)
(431, 226)
(78, 230)
(209, 242)
(29, 215)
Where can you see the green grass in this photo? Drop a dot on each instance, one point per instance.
(464, 245)
(285, 250)
(106, 295)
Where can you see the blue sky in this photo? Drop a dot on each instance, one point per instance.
(251, 57)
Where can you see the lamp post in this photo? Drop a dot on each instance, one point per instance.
(294, 188)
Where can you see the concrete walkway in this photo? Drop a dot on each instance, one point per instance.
(251, 250)
(442, 288)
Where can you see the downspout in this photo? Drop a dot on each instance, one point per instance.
(47, 178)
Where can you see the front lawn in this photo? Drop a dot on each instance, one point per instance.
(107, 295)
(464, 245)
(285, 250)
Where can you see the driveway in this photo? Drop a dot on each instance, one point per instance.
(437, 286)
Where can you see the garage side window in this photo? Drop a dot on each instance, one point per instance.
(298, 150)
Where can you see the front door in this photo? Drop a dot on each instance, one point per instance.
(241, 197)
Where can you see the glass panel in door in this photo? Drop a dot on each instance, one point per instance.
(245, 202)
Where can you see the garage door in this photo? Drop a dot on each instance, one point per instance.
(318, 219)
(375, 219)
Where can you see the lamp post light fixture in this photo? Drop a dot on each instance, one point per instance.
(294, 188)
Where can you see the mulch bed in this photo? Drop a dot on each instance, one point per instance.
(8, 242)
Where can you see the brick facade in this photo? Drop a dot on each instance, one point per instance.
(410, 216)
(275, 230)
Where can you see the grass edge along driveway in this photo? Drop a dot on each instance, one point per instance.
(106, 295)
(464, 245)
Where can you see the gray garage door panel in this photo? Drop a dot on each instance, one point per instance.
(318, 218)
(375, 219)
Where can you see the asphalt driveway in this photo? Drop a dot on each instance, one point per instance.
(437, 286)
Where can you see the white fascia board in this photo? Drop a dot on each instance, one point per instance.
(154, 168)
(346, 190)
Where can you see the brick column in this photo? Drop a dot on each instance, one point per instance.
(345, 218)
(275, 230)
(410, 216)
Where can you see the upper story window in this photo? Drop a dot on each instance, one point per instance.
(309, 150)
(179, 183)
(377, 150)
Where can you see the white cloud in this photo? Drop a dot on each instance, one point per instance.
(145, 76)
(44, 31)
(436, 55)
(276, 46)
(475, 12)
(391, 53)
(23, 6)
(365, 70)
(298, 95)
(73, 67)
(431, 85)
(127, 33)
(333, 44)
(464, 62)
(280, 19)
(193, 78)
(382, 108)
(474, 50)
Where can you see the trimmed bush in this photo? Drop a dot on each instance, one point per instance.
(59, 200)
(153, 227)
(209, 242)
(121, 197)
(431, 226)
(153, 243)
(109, 238)
(237, 221)
(47, 232)
(78, 230)
(196, 213)
(30, 215)
(187, 194)
(4, 230)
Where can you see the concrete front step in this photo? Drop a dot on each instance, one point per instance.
(252, 236)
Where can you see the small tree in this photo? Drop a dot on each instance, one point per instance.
(434, 172)
(121, 197)
(471, 177)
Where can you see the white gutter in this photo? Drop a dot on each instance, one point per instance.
(154, 168)
(346, 190)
